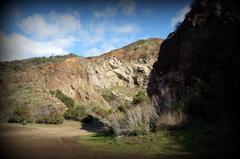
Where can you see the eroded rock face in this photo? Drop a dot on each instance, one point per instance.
(129, 66)
(77, 77)
(204, 46)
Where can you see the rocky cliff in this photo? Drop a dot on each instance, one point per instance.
(29, 82)
(204, 47)
(128, 66)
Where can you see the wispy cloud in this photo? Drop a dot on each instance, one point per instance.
(109, 11)
(124, 28)
(128, 7)
(180, 16)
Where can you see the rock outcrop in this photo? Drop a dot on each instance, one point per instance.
(204, 46)
(77, 77)
(128, 66)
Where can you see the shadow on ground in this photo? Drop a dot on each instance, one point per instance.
(94, 125)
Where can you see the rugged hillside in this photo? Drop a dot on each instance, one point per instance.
(128, 66)
(205, 46)
(197, 73)
(29, 82)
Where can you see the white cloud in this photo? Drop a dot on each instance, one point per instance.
(52, 25)
(180, 16)
(124, 29)
(128, 7)
(54, 33)
(15, 46)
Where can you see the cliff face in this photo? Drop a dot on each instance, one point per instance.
(128, 66)
(29, 82)
(205, 46)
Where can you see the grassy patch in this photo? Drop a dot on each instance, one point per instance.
(138, 44)
(153, 143)
(191, 135)
(140, 97)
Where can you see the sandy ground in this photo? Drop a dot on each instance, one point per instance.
(35, 141)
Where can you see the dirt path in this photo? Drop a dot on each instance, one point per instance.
(36, 141)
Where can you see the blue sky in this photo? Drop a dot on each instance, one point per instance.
(86, 28)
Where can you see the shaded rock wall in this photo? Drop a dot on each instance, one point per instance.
(204, 46)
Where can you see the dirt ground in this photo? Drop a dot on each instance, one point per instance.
(35, 141)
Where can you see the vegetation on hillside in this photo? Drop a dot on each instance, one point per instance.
(21, 114)
(140, 43)
(37, 62)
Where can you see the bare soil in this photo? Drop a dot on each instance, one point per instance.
(37, 141)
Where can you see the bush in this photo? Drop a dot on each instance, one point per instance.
(21, 114)
(54, 118)
(118, 123)
(39, 60)
(48, 115)
(171, 119)
(140, 97)
(101, 111)
(77, 113)
(71, 113)
(195, 101)
(135, 121)
(108, 96)
(139, 119)
(67, 101)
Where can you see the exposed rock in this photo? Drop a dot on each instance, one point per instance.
(204, 46)
(76, 77)
(124, 67)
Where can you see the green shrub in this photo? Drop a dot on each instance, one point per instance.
(108, 96)
(39, 60)
(140, 97)
(48, 115)
(54, 118)
(123, 106)
(100, 111)
(68, 102)
(195, 102)
(21, 114)
(71, 113)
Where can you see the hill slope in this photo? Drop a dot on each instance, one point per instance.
(29, 82)
(197, 72)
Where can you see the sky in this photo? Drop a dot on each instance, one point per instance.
(86, 28)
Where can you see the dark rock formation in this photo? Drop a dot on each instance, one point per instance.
(205, 46)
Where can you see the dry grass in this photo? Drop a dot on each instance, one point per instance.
(136, 120)
(171, 119)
